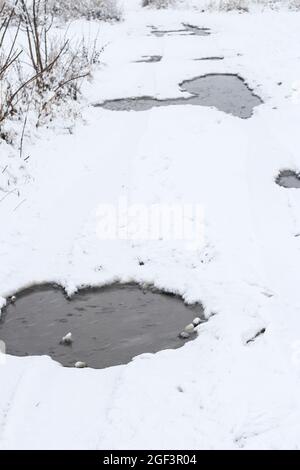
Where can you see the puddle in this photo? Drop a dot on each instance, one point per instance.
(227, 92)
(288, 179)
(109, 325)
(196, 30)
(256, 336)
(211, 58)
(187, 30)
(149, 59)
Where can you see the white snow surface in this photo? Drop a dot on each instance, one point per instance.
(217, 392)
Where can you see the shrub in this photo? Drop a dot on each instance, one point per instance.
(9, 61)
(228, 5)
(56, 66)
(157, 3)
(225, 5)
(91, 9)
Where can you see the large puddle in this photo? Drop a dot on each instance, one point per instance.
(288, 179)
(227, 92)
(108, 326)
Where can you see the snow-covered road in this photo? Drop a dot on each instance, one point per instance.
(218, 391)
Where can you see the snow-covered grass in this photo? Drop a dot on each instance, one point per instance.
(225, 5)
(41, 68)
(73, 9)
(158, 3)
(91, 9)
(219, 391)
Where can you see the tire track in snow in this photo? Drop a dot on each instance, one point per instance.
(111, 408)
(6, 410)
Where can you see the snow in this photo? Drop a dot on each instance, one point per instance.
(219, 391)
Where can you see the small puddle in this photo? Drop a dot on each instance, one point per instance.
(187, 30)
(149, 59)
(109, 325)
(211, 58)
(288, 179)
(227, 92)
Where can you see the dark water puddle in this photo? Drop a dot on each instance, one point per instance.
(227, 92)
(256, 336)
(109, 325)
(288, 179)
(211, 58)
(188, 30)
(196, 30)
(149, 59)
